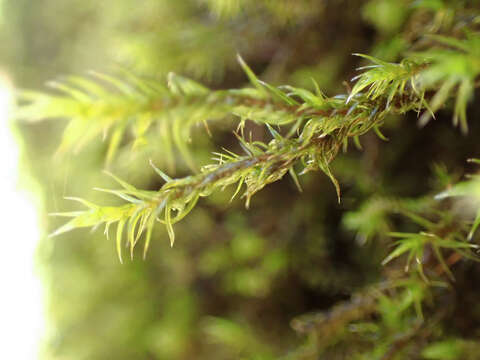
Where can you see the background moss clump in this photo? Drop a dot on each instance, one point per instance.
(389, 272)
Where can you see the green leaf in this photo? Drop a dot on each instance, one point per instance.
(251, 76)
(180, 85)
(324, 166)
(407, 245)
(164, 176)
(168, 223)
(120, 226)
(476, 224)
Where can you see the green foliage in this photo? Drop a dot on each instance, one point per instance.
(389, 79)
(386, 15)
(454, 68)
(240, 276)
(324, 125)
(415, 245)
(469, 191)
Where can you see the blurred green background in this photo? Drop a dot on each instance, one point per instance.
(234, 280)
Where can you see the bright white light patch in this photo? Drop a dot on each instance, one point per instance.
(21, 307)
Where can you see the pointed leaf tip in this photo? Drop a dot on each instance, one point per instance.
(160, 172)
(251, 75)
